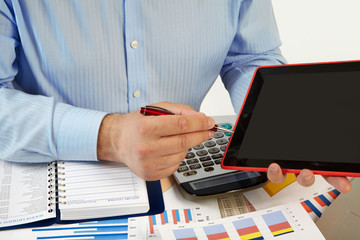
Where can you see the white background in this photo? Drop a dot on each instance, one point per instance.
(311, 31)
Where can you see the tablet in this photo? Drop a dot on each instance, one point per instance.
(300, 116)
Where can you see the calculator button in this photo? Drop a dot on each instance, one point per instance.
(192, 161)
(208, 163)
(223, 148)
(190, 173)
(210, 144)
(216, 156)
(182, 169)
(208, 169)
(201, 153)
(221, 141)
(218, 135)
(227, 126)
(190, 155)
(206, 158)
(213, 150)
(198, 147)
(195, 166)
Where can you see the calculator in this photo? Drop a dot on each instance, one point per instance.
(200, 173)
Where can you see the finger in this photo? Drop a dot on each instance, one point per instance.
(305, 178)
(187, 112)
(174, 124)
(182, 142)
(274, 173)
(178, 109)
(342, 184)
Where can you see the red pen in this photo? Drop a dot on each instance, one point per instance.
(156, 111)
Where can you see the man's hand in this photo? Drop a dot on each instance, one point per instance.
(306, 178)
(153, 146)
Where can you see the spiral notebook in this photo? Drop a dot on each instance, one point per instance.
(65, 192)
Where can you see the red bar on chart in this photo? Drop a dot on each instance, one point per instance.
(162, 219)
(247, 229)
(174, 215)
(334, 193)
(310, 207)
(151, 225)
(306, 207)
(186, 216)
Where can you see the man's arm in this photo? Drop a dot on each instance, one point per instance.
(256, 43)
(37, 128)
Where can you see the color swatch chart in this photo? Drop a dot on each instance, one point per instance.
(282, 222)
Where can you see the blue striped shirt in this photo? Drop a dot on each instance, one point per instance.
(65, 64)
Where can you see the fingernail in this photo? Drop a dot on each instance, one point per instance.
(211, 134)
(308, 177)
(211, 122)
(273, 169)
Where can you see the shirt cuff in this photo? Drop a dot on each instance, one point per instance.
(77, 134)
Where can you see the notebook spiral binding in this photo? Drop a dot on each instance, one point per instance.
(55, 180)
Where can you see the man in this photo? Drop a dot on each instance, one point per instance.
(73, 75)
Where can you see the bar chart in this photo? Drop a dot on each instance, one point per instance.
(317, 205)
(174, 216)
(101, 230)
(126, 228)
(277, 223)
(289, 221)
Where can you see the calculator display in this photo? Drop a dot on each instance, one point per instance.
(220, 180)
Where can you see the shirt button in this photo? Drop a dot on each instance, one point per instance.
(136, 94)
(134, 44)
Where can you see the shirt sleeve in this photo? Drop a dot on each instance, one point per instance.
(36, 128)
(256, 43)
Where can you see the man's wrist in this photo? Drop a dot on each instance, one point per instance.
(109, 132)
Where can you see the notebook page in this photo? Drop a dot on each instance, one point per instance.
(23, 193)
(100, 189)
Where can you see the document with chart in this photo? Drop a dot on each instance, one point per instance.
(284, 222)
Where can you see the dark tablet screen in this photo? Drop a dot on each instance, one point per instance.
(304, 116)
